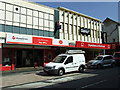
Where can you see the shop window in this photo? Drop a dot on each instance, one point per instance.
(16, 29)
(49, 56)
(2, 27)
(7, 57)
(8, 28)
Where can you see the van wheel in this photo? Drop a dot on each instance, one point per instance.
(60, 72)
(81, 69)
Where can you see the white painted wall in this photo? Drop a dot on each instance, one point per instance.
(111, 32)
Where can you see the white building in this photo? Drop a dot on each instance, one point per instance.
(113, 32)
(79, 27)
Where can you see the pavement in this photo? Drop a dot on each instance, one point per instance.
(22, 76)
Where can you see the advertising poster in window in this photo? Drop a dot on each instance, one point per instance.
(0, 45)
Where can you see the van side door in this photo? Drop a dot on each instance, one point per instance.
(69, 64)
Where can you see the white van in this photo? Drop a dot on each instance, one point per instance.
(73, 60)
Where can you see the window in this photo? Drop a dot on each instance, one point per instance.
(108, 57)
(29, 31)
(35, 32)
(40, 32)
(51, 34)
(16, 29)
(69, 60)
(2, 27)
(46, 33)
(7, 57)
(23, 30)
(8, 28)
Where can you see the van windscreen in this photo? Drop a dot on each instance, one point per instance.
(59, 59)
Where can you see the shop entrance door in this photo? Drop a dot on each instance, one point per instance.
(38, 57)
(27, 58)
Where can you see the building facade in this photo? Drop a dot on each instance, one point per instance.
(79, 27)
(112, 28)
(31, 33)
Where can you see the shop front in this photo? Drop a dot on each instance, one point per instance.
(21, 51)
(22, 56)
(92, 49)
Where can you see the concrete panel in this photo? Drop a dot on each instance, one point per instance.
(66, 36)
(8, 23)
(2, 15)
(51, 24)
(23, 19)
(22, 25)
(61, 35)
(41, 14)
(29, 26)
(82, 23)
(23, 10)
(51, 29)
(29, 20)
(15, 24)
(2, 5)
(29, 12)
(35, 21)
(9, 7)
(35, 27)
(46, 16)
(16, 17)
(9, 16)
(46, 23)
(17, 9)
(78, 21)
(41, 28)
(40, 22)
(85, 19)
(52, 17)
(35, 13)
(2, 22)
(89, 23)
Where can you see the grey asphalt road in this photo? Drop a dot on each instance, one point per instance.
(104, 78)
(91, 78)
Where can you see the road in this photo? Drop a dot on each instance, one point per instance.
(92, 78)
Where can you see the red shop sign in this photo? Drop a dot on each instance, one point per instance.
(92, 45)
(42, 41)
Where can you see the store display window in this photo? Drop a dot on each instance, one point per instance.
(7, 57)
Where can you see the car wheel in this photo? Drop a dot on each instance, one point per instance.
(81, 69)
(99, 66)
(60, 72)
(112, 65)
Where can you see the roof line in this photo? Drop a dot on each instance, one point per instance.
(110, 20)
(68, 10)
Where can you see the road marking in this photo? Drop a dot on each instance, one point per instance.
(93, 84)
(53, 81)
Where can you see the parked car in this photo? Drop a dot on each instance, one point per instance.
(67, 62)
(101, 61)
(116, 57)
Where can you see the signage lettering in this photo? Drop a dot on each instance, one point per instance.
(85, 31)
(92, 45)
